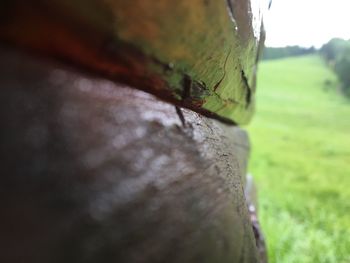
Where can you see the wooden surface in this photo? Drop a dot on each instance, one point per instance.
(93, 171)
(200, 54)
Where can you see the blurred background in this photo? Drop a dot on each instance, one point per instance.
(301, 132)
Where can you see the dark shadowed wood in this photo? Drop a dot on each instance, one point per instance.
(93, 171)
(200, 54)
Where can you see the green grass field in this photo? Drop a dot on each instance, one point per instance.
(301, 161)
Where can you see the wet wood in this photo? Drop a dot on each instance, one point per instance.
(93, 171)
(197, 54)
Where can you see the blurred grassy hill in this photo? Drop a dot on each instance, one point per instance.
(301, 161)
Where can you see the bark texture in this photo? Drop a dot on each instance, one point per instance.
(199, 54)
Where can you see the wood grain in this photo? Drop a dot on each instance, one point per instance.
(93, 171)
(199, 54)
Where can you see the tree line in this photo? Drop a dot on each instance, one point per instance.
(337, 55)
(289, 51)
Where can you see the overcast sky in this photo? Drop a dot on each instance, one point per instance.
(306, 22)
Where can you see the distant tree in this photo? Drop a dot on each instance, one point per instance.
(337, 53)
(333, 48)
(342, 68)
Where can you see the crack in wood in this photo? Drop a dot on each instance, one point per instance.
(223, 76)
(248, 97)
(181, 116)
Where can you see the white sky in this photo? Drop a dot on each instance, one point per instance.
(306, 22)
